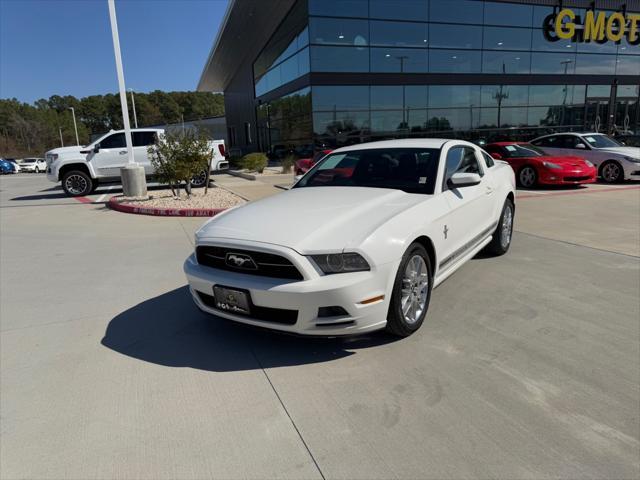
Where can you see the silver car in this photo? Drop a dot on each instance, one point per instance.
(614, 161)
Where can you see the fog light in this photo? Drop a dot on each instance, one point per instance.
(333, 311)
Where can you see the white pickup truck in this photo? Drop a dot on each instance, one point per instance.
(82, 169)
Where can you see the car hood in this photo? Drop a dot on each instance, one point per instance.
(628, 151)
(312, 219)
(65, 150)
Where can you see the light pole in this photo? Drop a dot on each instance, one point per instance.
(133, 179)
(61, 141)
(133, 103)
(75, 127)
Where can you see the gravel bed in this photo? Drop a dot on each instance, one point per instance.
(215, 198)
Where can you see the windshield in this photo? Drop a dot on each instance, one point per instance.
(601, 141)
(29, 160)
(522, 150)
(412, 170)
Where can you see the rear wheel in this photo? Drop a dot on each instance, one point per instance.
(501, 240)
(77, 183)
(199, 180)
(411, 292)
(527, 177)
(611, 172)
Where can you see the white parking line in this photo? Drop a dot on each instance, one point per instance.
(103, 196)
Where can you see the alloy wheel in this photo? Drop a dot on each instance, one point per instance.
(506, 228)
(415, 289)
(76, 184)
(527, 177)
(611, 172)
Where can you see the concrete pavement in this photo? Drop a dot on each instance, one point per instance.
(527, 366)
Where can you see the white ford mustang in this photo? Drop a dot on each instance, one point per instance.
(359, 242)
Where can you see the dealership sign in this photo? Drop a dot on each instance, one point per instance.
(596, 27)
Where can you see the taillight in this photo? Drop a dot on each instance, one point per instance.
(221, 148)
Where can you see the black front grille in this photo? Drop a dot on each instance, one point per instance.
(265, 314)
(268, 264)
(576, 179)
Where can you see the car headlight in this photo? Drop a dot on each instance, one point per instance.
(632, 159)
(553, 166)
(340, 263)
(589, 164)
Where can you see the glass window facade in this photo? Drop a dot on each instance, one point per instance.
(470, 43)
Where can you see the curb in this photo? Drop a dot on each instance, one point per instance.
(246, 176)
(114, 204)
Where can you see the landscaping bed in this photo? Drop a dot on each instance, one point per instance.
(163, 203)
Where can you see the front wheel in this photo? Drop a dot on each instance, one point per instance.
(528, 177)
(411, 292)
(503, 233)
(611, 172)
(77, 183)
(37, 170)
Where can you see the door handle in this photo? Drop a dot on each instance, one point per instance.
(122, 152)
(489, 190)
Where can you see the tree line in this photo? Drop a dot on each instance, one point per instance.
(31, 129)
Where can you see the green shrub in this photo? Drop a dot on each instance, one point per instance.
(235, 162)
(178, 156)
(287, 163)
(255, 162)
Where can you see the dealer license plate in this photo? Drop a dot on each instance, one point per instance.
(232, 300)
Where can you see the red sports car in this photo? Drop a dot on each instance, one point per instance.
(304, 164)
(534, 167)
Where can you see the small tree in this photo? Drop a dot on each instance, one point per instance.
(178, 156)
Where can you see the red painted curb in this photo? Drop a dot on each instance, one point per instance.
(114, 204)
(580, 192)
(83, 199)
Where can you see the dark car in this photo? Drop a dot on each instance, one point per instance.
(628, 140)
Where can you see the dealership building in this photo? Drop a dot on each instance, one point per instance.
(304, 74)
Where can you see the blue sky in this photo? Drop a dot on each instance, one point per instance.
(64, 47)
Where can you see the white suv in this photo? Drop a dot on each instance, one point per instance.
(82, 169)
(36, 165)
(614, 161)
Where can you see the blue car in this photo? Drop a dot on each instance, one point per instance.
(5, 167)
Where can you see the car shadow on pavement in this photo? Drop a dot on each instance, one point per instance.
(169, 330)
(49, 196)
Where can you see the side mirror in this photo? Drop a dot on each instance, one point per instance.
(96, 148)
(496, 155)
(460, 179)
(580, 146)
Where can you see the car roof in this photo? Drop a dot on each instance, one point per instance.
(403, 143)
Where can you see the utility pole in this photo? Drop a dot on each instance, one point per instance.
(134, 183)
(75, 126)
(61, 141)
(133, 103)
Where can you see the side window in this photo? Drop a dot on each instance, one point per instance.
(114, 141)
(488, 160)
(568, 141)
(461, 159)
(547, 142)
(143, 139)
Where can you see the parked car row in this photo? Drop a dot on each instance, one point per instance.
(11, 165)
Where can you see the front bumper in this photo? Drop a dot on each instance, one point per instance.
(631, 170)
(567, 176)
(305, 296)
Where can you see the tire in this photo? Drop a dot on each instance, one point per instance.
(199, 180)
(527, 177)
(414, 292)
(77, 183)
(611, 172)
(503, 233)
(37, 170)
